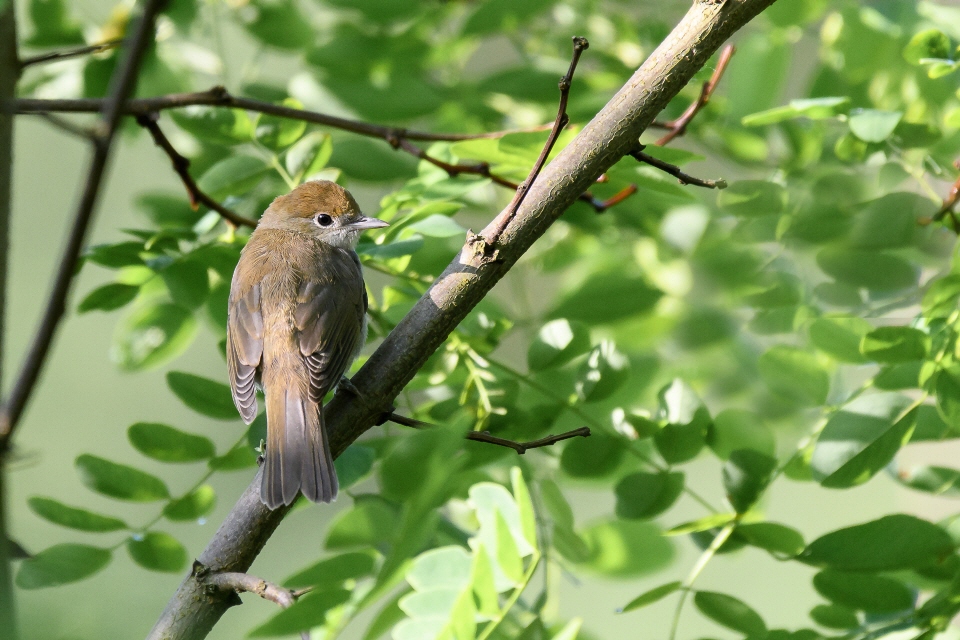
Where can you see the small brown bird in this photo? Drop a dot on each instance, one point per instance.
(296, 321)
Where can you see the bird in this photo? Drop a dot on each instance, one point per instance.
(296, 320)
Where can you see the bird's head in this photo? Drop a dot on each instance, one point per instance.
(322, 209)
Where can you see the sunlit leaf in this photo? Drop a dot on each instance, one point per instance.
(157, 551)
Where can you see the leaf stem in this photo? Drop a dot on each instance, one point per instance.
(512, 600)
(698, 568)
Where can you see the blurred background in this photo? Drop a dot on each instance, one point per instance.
(85, 401)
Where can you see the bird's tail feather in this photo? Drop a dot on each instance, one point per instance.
(298, 455)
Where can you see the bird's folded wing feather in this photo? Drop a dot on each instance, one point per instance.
(244, 350)
(329, 318)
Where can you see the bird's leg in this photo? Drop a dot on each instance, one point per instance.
(348, 387)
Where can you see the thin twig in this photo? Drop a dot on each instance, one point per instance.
(220, 97)
(483, 169)
(678, 127)
(181, 166)
(616, 198)
(486, 436)
(70, 53)
(675, 171)
(245, 583)
(580, 45)
(122, 84)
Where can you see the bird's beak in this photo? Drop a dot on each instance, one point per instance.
(369, 223)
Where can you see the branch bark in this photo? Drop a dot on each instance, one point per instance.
(9, 72)
(121, 86)
(613, 133)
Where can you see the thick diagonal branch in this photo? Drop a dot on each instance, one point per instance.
(121, 86)
(605, 140)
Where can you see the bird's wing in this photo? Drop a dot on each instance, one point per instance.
(329, 319)
(244, 350)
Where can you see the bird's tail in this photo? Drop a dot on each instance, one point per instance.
(298, 455)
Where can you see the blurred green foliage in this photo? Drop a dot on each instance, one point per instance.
(800, 325)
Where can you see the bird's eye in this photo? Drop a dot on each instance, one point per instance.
(323, 220)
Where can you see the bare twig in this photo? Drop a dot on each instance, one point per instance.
(181, 165)
(121, 86)
(616, 198)
(486, 436)
(220, 97)
(245, 583)
(580, 45)
(678, 127)
(70, 53)
(675, 171)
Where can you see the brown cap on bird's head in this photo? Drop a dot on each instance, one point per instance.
(312, 197)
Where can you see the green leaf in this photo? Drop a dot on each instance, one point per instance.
(53, 25)
(108, 297)
(604, 371)
(157, 551)
(333, 572)
(863, 591)
(812, 108)
(152, 335)
(164, 443)
(195, 505)
(861, 439)
(593, 457)
(233, 176)
(873, 125)
(482, 579)
(354, 464)
(840, 336)
(370, 522)
(521, 494)
(442, 568)
(307, 612)
(215, 124)
(645, 495)
(730, 612)
(280, 24)
(279, 133)
(752, 198)
(684, 435)
(734, 429)
(940, 299)
(61, 564)
(930, 43)
(795, 375)
(204, 396)
(242, 456)
(833, 616)
(653, 595)
(558, 342)
(895, 344)
(120, 481)
(948, 396)
(508, 557)
(625, 548)
(72, 517)
(168, 211)
(309, 155)
(890, 543)
(188, 283)
(874, 270)
(590, 302)
(889, 222)
(745, 476)
(703, 524)
(776, 538)
(931, 479)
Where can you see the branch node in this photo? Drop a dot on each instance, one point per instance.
(478, 251)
